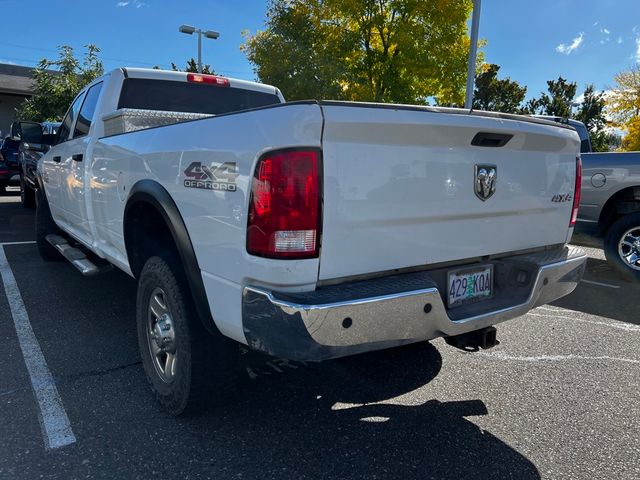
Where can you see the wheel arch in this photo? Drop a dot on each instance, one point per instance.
(624, 201)
(149, 196)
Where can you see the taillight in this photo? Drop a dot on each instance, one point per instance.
(577, 192)
(208, 79)
(284, 208)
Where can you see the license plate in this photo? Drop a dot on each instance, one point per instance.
(470, 285)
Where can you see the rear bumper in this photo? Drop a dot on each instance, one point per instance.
(397, 310)
(11, 176)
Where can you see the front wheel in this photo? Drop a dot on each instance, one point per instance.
(622, 246)
(186, 366)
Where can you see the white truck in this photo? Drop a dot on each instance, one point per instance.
(307, 230)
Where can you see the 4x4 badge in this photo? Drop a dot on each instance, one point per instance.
(221, 177)
(486, 177)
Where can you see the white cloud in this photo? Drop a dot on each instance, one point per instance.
(132, 3)
(638, 49)
(568, 49)
(619, 40)
(605, 31)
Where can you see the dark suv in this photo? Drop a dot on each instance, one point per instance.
(30, 152)
(9, 164)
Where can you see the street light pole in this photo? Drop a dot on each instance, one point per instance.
(189, 30)
(199, 51)
(473, 52)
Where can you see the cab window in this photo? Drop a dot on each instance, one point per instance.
(87, 111)
(67, 123)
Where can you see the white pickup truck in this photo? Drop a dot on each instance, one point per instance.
(308, 230)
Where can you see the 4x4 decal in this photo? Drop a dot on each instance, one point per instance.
(220, 177)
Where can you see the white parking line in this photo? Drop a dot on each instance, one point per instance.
(556, 358)
(612, 324)
(54, 422)
(30, 242)
(608, 285)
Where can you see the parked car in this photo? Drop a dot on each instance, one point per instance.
(308, 230)
(610, 203)
(29, 154)
(9, 167)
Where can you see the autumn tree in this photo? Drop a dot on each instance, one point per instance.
(497, 95)
(372, 50)
(624, 106)
(57, 82)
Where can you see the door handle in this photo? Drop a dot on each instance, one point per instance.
(57, 159)
(77, 157)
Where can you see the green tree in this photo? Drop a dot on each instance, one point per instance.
(624, 106)
(497, 95)
(592, 114)
(371, 50)
(558, 102)
(192, 66)
(57, 82)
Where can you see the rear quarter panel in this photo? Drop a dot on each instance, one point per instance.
(216, 220)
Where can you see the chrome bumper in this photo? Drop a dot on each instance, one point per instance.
(375, 314)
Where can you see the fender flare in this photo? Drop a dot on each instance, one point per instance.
(39, 181)
(151, 192)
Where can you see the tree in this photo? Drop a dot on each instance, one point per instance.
(557, 103)
(373, 50)
(192, 67)
(592, 114)
(57, 82)
(497, 95)
(624, 106)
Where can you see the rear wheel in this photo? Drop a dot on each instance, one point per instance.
(622, 246)
(186, 366)
(27, 195)
(45, 226)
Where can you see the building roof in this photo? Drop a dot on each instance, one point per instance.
(16, 79)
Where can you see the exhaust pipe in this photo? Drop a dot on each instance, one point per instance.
(484, 338)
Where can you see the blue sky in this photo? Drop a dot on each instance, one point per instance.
(587, 41)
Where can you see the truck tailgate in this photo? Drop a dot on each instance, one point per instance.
(399, 188)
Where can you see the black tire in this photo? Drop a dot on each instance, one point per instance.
(205, 370)
(612, 240)
(45, 226)
(27, 195)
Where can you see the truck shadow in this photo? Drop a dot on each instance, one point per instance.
(602, 300)
(368, 416)
(340, 419)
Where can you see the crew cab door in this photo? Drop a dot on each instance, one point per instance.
(74, 160)
(51, 163)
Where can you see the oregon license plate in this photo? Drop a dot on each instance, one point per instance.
(469, 285)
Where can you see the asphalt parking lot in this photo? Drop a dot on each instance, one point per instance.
(558, 398)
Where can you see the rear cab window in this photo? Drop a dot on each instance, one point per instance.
(178, 96)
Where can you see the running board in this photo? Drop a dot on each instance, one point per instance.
(77, 257)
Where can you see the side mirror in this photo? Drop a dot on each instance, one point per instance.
(27, 132)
